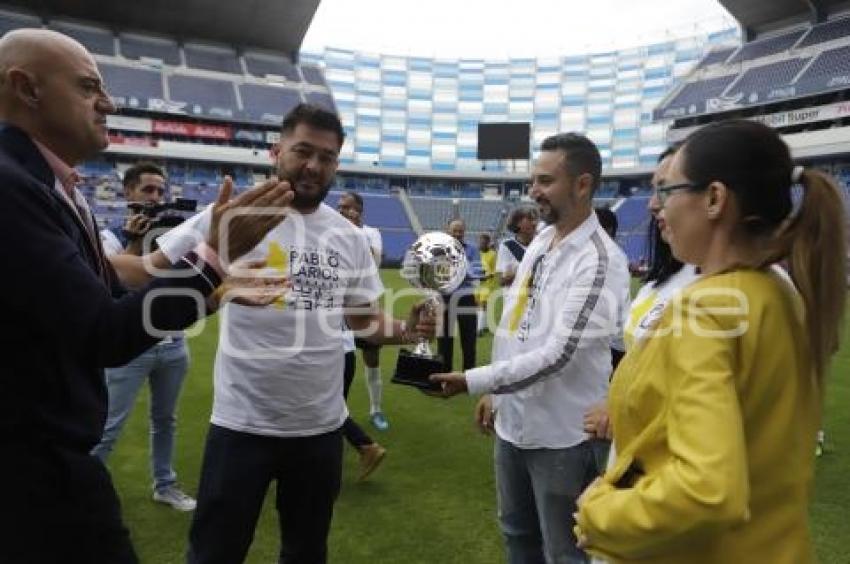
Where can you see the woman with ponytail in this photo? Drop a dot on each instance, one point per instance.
(715, 407)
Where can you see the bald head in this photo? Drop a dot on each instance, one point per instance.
(50, 87)
(36, 50)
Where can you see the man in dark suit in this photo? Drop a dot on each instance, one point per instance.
(62, 318)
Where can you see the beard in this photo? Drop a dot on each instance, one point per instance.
(309, 190)
(547, 213)
(309, 199)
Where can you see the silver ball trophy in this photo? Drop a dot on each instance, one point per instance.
(436, 263)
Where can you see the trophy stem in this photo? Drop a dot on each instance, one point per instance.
(432, 306)
(422, 348)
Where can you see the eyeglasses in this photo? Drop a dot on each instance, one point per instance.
(663, 193)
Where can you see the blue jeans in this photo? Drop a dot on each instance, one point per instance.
(165, 367)
(537, 491)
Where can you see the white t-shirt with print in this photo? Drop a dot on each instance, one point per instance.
(278, 369)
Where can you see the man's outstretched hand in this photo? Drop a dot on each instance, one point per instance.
(451, 384)
(239, 224)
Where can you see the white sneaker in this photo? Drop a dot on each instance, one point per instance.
(176, 498)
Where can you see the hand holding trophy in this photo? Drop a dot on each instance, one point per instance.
(436, 263)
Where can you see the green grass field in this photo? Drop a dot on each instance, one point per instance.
(433, 499)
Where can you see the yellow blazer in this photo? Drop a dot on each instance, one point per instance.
(715, 417)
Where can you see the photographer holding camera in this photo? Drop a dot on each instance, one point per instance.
(164, 366)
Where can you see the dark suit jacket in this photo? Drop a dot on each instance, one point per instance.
(60, 323)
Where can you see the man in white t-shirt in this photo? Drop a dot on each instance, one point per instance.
(523, 224)
(551, 358)
(350, 205)
(278, 395)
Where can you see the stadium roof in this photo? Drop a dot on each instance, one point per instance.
(278, 25)
(756, 16)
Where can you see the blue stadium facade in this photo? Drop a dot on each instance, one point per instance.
(421, 113)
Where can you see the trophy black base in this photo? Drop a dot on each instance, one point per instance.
(414, 369)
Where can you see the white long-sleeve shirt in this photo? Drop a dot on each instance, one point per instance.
(552, 352)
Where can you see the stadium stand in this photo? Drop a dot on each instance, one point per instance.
(806, 60)
(759, 81)
(99, 41)
(765, 47)
(262, 65)
(633, 221)
(698, 92)
(267, 103)
(129, 82)
(320, 99)
(139, 47)
(221, 86)
(716, 56)
(828, 31)
(830, 69)
(204, 96)
(482, 215)
(313, 75)
(433, 213)
(212, 59)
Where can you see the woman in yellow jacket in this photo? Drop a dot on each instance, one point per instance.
(715, 409)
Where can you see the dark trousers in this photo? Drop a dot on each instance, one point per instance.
(353, 433)
(237, 470)
(460, 307)
(59, 505)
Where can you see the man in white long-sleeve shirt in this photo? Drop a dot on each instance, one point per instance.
(551, 357)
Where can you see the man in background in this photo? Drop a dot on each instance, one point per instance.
(163, 366)
(460, 307)
(523, 224)
(350, 205)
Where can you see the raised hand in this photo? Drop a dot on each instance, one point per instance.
(239, 224)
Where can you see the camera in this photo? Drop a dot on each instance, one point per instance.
(162, 216)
